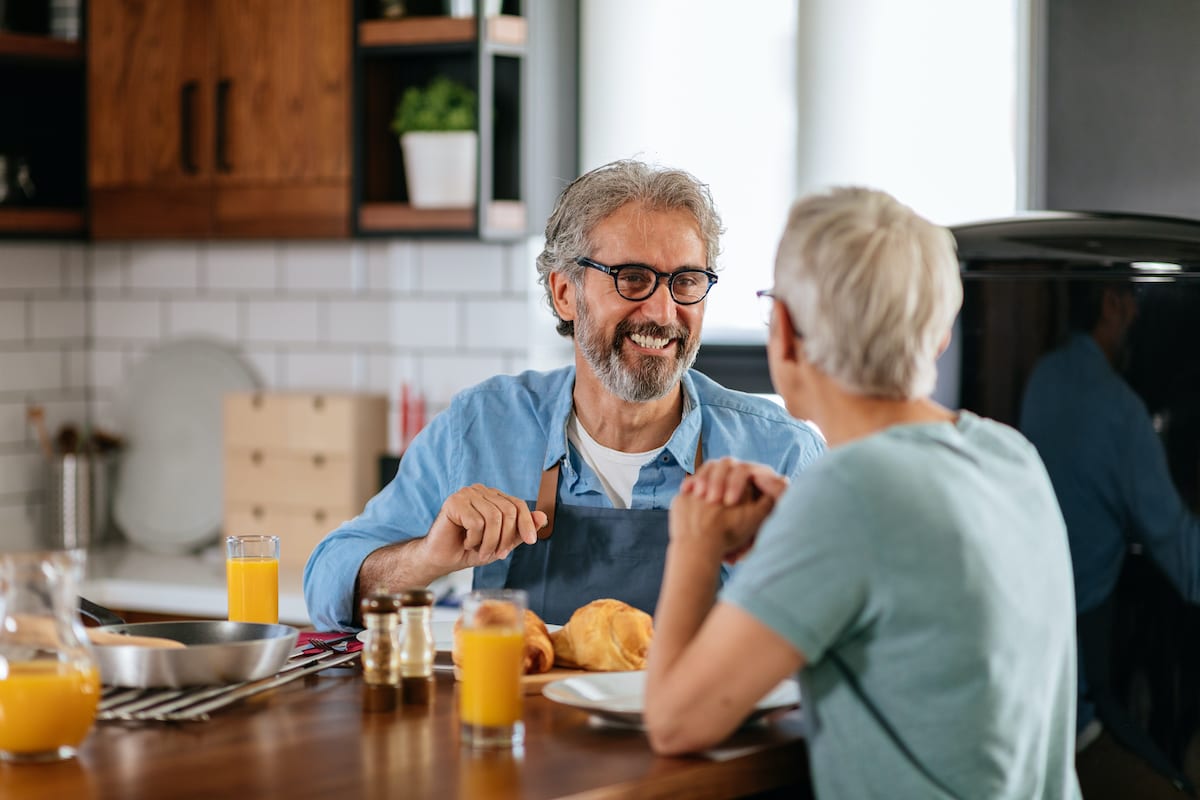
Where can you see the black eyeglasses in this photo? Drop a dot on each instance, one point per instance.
(637, 281)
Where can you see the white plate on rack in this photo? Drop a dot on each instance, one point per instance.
(170, 496)
(620, 696)
(443, 634)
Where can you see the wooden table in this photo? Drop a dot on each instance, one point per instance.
(312, 739)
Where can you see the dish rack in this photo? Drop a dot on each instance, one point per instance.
(196, 703)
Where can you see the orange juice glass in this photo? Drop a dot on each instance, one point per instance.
(491, 646)
(46, 708)
(252, 578)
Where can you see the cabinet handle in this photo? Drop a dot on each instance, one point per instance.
(257, 512)
(223, 164)
(319, 515)
(256, 457)
(318, 460)
(187, 97)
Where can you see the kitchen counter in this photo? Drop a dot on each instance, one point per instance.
(128, 578)
(124, 577)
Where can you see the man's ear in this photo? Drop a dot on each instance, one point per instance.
(562, 290)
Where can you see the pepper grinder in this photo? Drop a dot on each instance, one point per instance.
(416, 646)
(381, 651)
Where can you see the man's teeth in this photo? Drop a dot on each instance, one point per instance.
(652, 342)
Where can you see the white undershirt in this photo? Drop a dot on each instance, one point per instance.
(618, 471)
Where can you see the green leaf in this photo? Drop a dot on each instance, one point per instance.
(443, 105)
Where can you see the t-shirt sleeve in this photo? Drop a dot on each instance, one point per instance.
(806, 576)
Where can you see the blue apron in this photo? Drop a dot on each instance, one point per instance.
(598, 552)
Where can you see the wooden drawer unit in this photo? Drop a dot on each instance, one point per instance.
(299, 528)
(297, 465)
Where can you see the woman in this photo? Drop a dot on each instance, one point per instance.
(916, 576)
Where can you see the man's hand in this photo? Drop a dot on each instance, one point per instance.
(478, 525)
(724, 504)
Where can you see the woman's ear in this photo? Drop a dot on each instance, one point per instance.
(789, 344)
(562, 290)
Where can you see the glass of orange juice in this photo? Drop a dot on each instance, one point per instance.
(252, 578)
(491, 646)
(49, 683)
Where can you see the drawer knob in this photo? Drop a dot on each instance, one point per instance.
(319, 515)
(319, 402)
(319, 460)
(257, 512)
(256, 400)
(256, 457)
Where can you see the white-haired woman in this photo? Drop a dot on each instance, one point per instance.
(916, 577)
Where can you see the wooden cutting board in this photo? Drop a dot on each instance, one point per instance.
(532, 684)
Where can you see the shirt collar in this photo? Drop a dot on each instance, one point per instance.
(681, 445)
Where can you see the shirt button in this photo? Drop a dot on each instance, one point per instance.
(666, 459)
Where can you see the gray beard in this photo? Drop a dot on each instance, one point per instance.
(650, 378)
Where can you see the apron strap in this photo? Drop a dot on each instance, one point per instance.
(547, 499)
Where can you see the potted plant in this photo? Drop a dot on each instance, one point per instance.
(437, 129)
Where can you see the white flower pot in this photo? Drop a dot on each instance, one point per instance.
(441, 168)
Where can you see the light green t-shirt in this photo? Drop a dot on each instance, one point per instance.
(932, 561)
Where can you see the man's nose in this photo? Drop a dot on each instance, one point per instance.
(660, 306)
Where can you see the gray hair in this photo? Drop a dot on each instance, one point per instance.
(594, 196)
(872, 287)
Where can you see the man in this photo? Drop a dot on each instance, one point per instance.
(917, 576)
(598, 449)
(1109, 470)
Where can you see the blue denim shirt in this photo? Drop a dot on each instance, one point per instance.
(505, 432)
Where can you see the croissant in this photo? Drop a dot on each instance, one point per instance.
(539, 651)
(604, 635)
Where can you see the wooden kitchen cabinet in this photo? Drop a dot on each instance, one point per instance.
(219, 118)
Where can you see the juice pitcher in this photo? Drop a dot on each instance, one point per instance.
(49, 681)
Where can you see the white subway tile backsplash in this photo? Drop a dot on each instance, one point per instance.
(320, 371)
(443, 376)
(358, 321)
(126, 319)
(59, 319)
(267, 366)
(31, 266)
(22, 472)
(75, 266)
(207, 318)
(419, 324)
(14, 427)
(107, 266)
(75, 366)
(391, 266)
(12, 320)
(281, 321)
(166, 266)
(521, 266)
(318, 266)
(461, 267)
(243, 266)
(498, 324)
(31, 371)
(107, 367)
(18, 527)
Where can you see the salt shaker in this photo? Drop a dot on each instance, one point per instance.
(381, 651)
(416, 646)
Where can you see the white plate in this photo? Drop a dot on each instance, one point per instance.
(169, 498)
(620, 696)
(443, 634)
